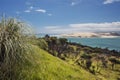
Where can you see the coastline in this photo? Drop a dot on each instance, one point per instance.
(110, 43)
(91, 35)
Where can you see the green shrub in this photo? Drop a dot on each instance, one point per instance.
(55, 53)
(42, 44)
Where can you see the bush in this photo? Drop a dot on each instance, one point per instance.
(14, 49)
(42, 44)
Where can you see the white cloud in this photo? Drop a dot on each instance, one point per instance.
(96, 25)
(113, 26)
(84, 27)
(41, 10)
(110, 1)
(31, 7)
(27, 11)
(73, 3)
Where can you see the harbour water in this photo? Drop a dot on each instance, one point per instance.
(110, 43)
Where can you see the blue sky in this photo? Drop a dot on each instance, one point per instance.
(65, 16)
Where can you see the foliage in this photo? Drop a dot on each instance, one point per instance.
(94, 60)
(15, 51)
(42, 44)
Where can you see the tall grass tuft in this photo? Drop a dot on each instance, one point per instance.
(15, 49)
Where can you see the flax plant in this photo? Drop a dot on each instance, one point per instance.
(15, 49)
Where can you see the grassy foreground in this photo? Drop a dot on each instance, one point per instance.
(52, 68)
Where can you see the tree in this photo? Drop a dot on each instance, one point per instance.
(62, 45)
(56, 46)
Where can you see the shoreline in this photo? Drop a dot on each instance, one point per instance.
(92, 35)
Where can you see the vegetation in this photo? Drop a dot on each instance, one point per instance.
(53, 68)
(15, 49)
(25, 57)
(94, 60)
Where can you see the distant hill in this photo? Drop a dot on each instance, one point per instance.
(93, 34)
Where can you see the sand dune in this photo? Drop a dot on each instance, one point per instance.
(91, 34)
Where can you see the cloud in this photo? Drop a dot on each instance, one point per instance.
(73, 3)
(41, 10)
(27, 11)
(84, 27)
(113, 26)
(110, 1)
(31, 7)
(96, 25)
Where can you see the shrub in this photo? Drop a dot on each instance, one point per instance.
(14, 49)
(42, 44)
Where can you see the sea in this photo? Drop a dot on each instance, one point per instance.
(110, 43)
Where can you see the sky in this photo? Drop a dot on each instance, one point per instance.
(65, 16)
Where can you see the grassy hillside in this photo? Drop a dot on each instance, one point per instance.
(52, 68)
(81, 62)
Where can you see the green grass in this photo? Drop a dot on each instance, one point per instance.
(52, 68)
(111, 74)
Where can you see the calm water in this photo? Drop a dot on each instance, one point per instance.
(110, 43)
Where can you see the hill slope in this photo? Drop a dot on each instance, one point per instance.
(52, 68)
